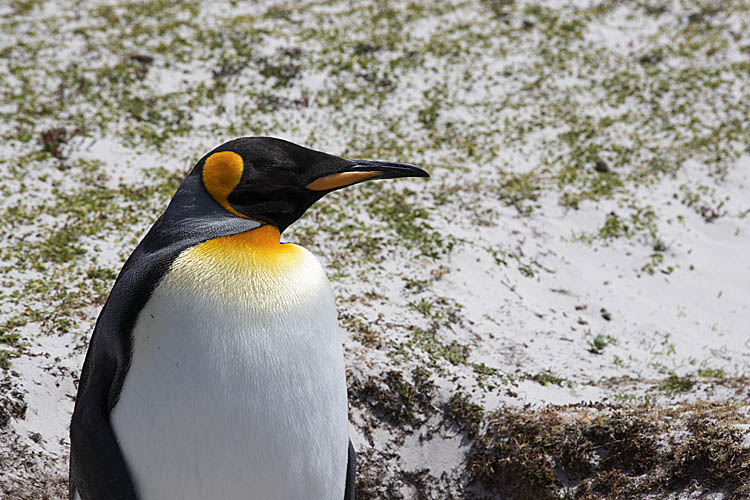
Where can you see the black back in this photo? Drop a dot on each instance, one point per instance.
(97, 468)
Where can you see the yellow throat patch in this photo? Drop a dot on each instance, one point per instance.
(250, 269)
(260, 248)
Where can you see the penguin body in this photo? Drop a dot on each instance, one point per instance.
(252, 329)
(215, 369)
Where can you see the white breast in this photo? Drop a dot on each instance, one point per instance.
(236, 388)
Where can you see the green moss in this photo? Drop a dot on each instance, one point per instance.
(675, 383)
(427, 340)
(544, 378)
(520, 191)
(711, 373)
(425, 307)
(409, 222)
(613, 227)
(599, 343)
(10, 342)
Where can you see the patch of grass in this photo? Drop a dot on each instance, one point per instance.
(655, 260)
(463, 415)
(713, 454)
(698, 200)
(425, 307)
(12, 404)
(712, 373)
(520, 191)
(361, 330)
(415, 285)
(613, 227)
(282, 68)
(590, 186)
(409, 222)
(544, 378)
(640, 225)
(599, 343)
(55, 140)
(394, 399)
(674, 383)
(426, 340)
(10, 342)
(509, 458)
(595, 452)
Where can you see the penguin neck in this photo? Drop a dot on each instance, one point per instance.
(266, 238)
(259, 249)
(271, 276)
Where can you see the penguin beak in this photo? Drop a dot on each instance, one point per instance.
(363, 170)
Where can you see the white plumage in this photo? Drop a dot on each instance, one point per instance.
(236, 388)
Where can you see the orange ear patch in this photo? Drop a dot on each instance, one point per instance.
(221, 173)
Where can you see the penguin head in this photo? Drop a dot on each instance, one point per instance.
(274, 181)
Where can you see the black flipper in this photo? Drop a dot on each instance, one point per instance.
(351, 473)
(97, 467)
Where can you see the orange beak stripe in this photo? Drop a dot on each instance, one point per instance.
(342, 179)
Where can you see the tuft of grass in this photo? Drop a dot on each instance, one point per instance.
(55, 140)
(712, 373)
(427, 341)
(599, 343)
(361, 330)
(675, 383)
(713, 455)
(409, 222)
(613, 227)
(544, 378)
(10, 342)
(462, 415)
(520, 191)
(12, 404)
(590, 453)
(394, 399)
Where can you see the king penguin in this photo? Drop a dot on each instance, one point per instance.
(215, 369)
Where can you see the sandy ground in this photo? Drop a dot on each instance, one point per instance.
(578, 260)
